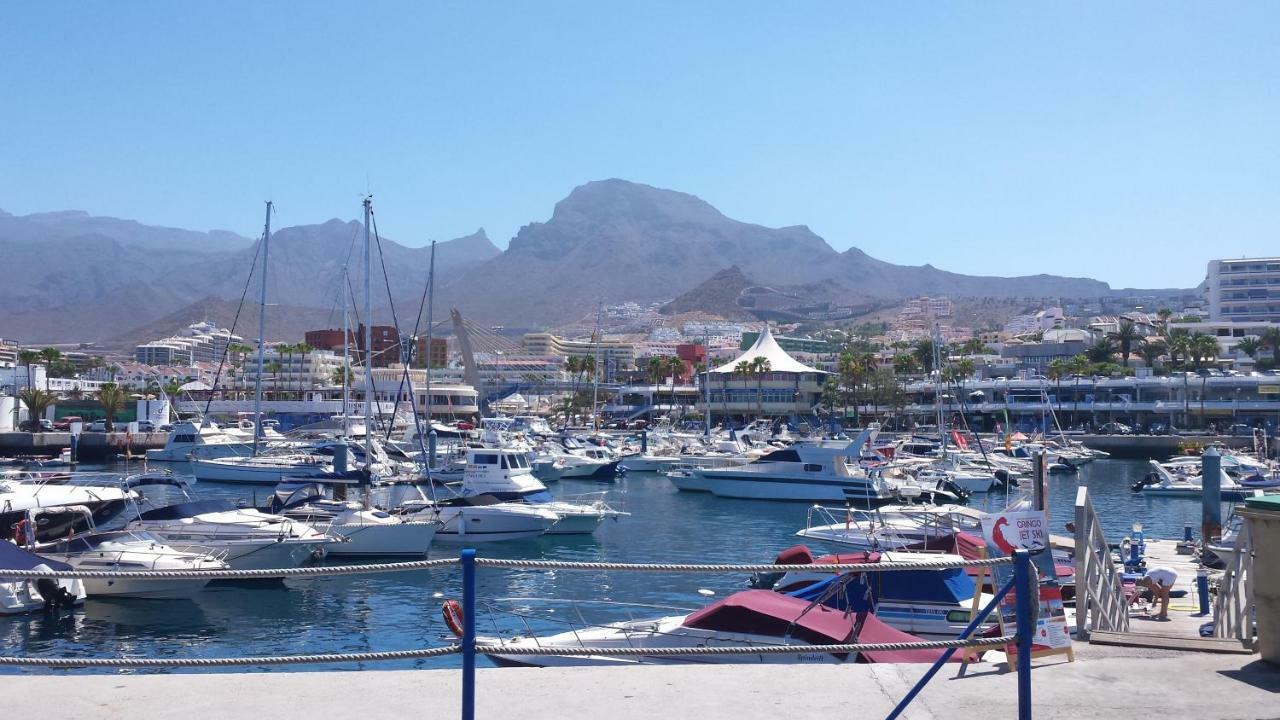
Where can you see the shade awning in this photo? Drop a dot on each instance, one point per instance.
(768, 348)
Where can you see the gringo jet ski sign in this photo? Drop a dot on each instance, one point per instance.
(1020, 530)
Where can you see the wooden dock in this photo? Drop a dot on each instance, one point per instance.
(1182, 630)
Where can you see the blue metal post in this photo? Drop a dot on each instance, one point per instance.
(468, 634)
(1211, 495)
(1202, 588)
(1026, 594)
(644, 441)
(946, 656)
(1187, 533)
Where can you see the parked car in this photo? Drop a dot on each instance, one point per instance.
(64, 423)
(1159, 428)
(1239, 429)
(146, 426)
(97, 426)
(41, 425)
(1115, 428)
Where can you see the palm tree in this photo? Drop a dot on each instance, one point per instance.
(1101, 351)
(1179, 345)
(286, 350)
(905, 364)
(111, 397)
(27, 358)
(1204, 349)
(923, 353)
(1126, 336)
(743, 369)
(1150, 351)
(273, 367)
(1271, 338)
(759, 366)
(675, 366)
(50, 355)
(1250, 346)
(303, 351)
(37, 402)
(343, 376)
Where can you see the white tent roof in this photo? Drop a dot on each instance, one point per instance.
(768, 348)
(514, 400)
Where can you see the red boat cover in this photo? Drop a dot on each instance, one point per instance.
(875, 631)
(794, 555)
(764, 612)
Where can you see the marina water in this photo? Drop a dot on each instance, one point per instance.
(402, 610)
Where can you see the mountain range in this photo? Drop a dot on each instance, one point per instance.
(71, 276)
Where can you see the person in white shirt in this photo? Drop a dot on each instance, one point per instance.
(1159, 581)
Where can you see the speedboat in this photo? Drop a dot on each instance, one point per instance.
(18, 496)
(1160, 482)
(889, 527)
(22, 595)
(482, 518)
(364, 530)
(246, 539)
(749, 618)
(133, 550)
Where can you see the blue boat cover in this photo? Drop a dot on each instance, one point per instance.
(932, 586)
(13, 557)
(187, 509)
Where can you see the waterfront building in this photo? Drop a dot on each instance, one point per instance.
(1228, 333)
(1243, 290)
(790, 388)
(8, 352)
(1034, 357)
(1182, 400)
(291, 372)
(1047, 319)
(199, 342)
(618, 353)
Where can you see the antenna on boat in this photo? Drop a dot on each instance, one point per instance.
(262, 330)
(595, 387)
(368, 345)
(346, 359)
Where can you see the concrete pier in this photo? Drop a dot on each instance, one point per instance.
(94, 446)
(1195, 685)
(1158, 446)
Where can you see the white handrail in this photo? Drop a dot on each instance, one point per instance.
(1100, 600)
(1233, 609)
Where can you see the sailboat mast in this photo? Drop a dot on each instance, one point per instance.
(938, 386)
(262, 331)
(595, 387)
(431, 296)
(368, 336)
(346, 359)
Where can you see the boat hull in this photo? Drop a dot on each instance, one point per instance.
(215, 471)
(408, 539)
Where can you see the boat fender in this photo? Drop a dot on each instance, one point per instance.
(20, 532)
(451, 610)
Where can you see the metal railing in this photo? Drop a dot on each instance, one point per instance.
(1233, 608)
(1024, 579)
(1100, 600)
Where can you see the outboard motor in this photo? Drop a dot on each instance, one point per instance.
(56, 598)
(962, 495)
(1148, 479)
(794, 555)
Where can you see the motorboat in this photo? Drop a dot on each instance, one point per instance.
(580, 461)
(927, 603)
(23, 595)
(365, 530)
(1160, 482)
(807, 472)
(749, 618)
(19, 496)
(205, 441)
(246, 539)
(482, 519)
(133, 550)
(889, 527)
(506, 474)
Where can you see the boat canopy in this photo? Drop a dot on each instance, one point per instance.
(764, 612)
(768, 348)
(188, 509)
(950, 586)
(144, 479)
(13, 557)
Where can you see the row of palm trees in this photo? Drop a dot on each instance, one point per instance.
(110, 396)
(755, 368)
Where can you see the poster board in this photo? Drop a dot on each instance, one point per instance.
(1004, 533)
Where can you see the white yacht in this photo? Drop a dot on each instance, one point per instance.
(245, 539)
(133, 550)
(506, 475)
(206, 440)
(364, 530)
(267, 469)
(1160, 482)
(802, 472)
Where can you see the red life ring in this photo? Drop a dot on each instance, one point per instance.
(453, 617)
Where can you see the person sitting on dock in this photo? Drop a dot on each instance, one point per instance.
(1159, 582)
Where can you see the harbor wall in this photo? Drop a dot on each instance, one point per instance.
(93, 447)
(1144, 447)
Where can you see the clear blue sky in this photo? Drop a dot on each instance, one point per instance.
(1126, 141)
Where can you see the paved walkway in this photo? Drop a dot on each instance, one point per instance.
(1114, 683)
